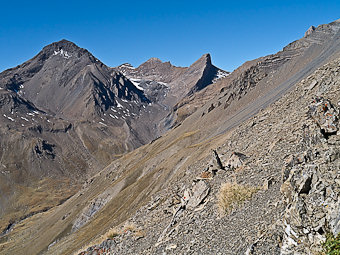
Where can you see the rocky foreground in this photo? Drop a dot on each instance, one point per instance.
(280, 179)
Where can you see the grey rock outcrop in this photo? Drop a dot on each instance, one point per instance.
(325, 115)
(310, 30)
(197, 194)
(312, 186)
(236, 160)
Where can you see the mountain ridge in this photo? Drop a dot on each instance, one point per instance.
(65, 102)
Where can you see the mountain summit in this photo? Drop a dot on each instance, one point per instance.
(69, 82)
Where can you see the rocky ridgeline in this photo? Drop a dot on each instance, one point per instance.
(289, 152)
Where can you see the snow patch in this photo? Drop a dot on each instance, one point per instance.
(102, 123)
(136, 82)
(127, 66)
(11, 119)
(220, 74)
(24, 119)
(62, 53)
(119, 105)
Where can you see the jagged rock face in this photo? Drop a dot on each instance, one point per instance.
(180, 80)
(310, 30)
(167, 84)
(325, 115)
(10, 102)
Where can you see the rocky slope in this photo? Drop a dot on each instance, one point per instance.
(283, 69)
(162, 197)
(291, 154)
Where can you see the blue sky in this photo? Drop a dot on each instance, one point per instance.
(178, 31)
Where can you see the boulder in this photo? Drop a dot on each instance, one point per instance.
(236, 160)
(198, 193)
(325, 115)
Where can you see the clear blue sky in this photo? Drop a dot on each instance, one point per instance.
(178, 31)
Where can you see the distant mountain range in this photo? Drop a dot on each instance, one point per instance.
(66, 114)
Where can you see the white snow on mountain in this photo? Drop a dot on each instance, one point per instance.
(119, 105)
(136, 82)
(220, 74)
(127, 66)
(62, 53)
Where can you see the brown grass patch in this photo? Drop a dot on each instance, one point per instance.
(112, 233)
(232, 194)
(206, 175)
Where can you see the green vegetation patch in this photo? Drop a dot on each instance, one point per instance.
(332, 245)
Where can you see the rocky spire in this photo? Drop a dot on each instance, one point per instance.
(310, 30)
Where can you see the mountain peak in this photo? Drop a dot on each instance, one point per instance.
(62, 44)
(206, 55)
(207, 58)
(154, 60)
(126, 65)
(204, 60)
(65, 49)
